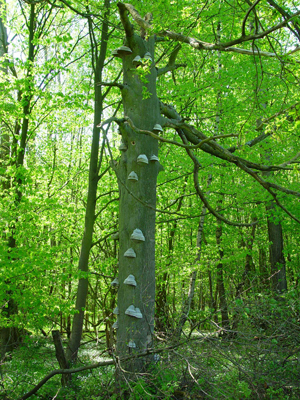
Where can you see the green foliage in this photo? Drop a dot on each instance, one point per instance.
(43, 199)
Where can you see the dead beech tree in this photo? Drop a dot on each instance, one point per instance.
(144, 117)
(137, 174)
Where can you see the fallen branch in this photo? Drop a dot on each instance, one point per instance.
(114, 361)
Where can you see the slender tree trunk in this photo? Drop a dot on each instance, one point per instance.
(187, 304)
(86, 244)
(277, 260)
(220, 279)
(11, 336)
(162, 318)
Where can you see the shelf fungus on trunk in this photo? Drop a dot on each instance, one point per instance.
(122, 147)
(131, 344)
(137, 236)
(116, 311)
(115, 283)
(115, 325)
(142, 159)
(137, 61)
(134, 312)
(130, 253)
(121, 51)
(133, 177)
(157, 128)
(148, 56)
(154, 158)
(130, 280)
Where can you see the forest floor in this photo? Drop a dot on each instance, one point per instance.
(239, 366)
(260, 359)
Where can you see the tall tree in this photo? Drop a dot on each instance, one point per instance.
(137, 179)
(98, 58)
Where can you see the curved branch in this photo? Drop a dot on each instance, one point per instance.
(267, 186)
(136, 16)
(64, 372)
(185, 146)
(201, 194)
(247, 15)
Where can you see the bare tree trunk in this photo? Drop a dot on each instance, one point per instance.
(162, 318)
(61, 357)
(277, 259)
(220, 279)
(137, 209)
(187, 304)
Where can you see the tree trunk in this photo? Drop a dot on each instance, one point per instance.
(220, 280)
(10, 337)
(137, 203)
(277, 259)
(187, 304)
(86, 244)
(61, 357)
(162, 318)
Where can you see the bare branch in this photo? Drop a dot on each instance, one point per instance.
(247, 15)
(126, 23)
(185, 146)
(136, 16)
(168, 68)
(199, 191)
(111, 84)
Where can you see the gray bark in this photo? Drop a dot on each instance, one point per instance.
(137, 206)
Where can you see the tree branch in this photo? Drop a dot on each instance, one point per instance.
(136, 16)
(126, 24)
(168, 68)
(247, 15)
(111, 84)
(199, 191)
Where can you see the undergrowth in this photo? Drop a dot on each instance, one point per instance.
(259, 360)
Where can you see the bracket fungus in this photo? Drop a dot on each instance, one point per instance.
(157, 128)
(122, 147)
(121, 51)
(147, 56)
(154, 158)
(134, 312)
(130, 253)
(130, 311)
(137, 236)
(115, 325)
(115, 282)
(131, 344)
(116, 311)
(142, 159)
(133, 176)
(137, 61)
(130, 280)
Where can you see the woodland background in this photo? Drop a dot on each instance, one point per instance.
(231, 305)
